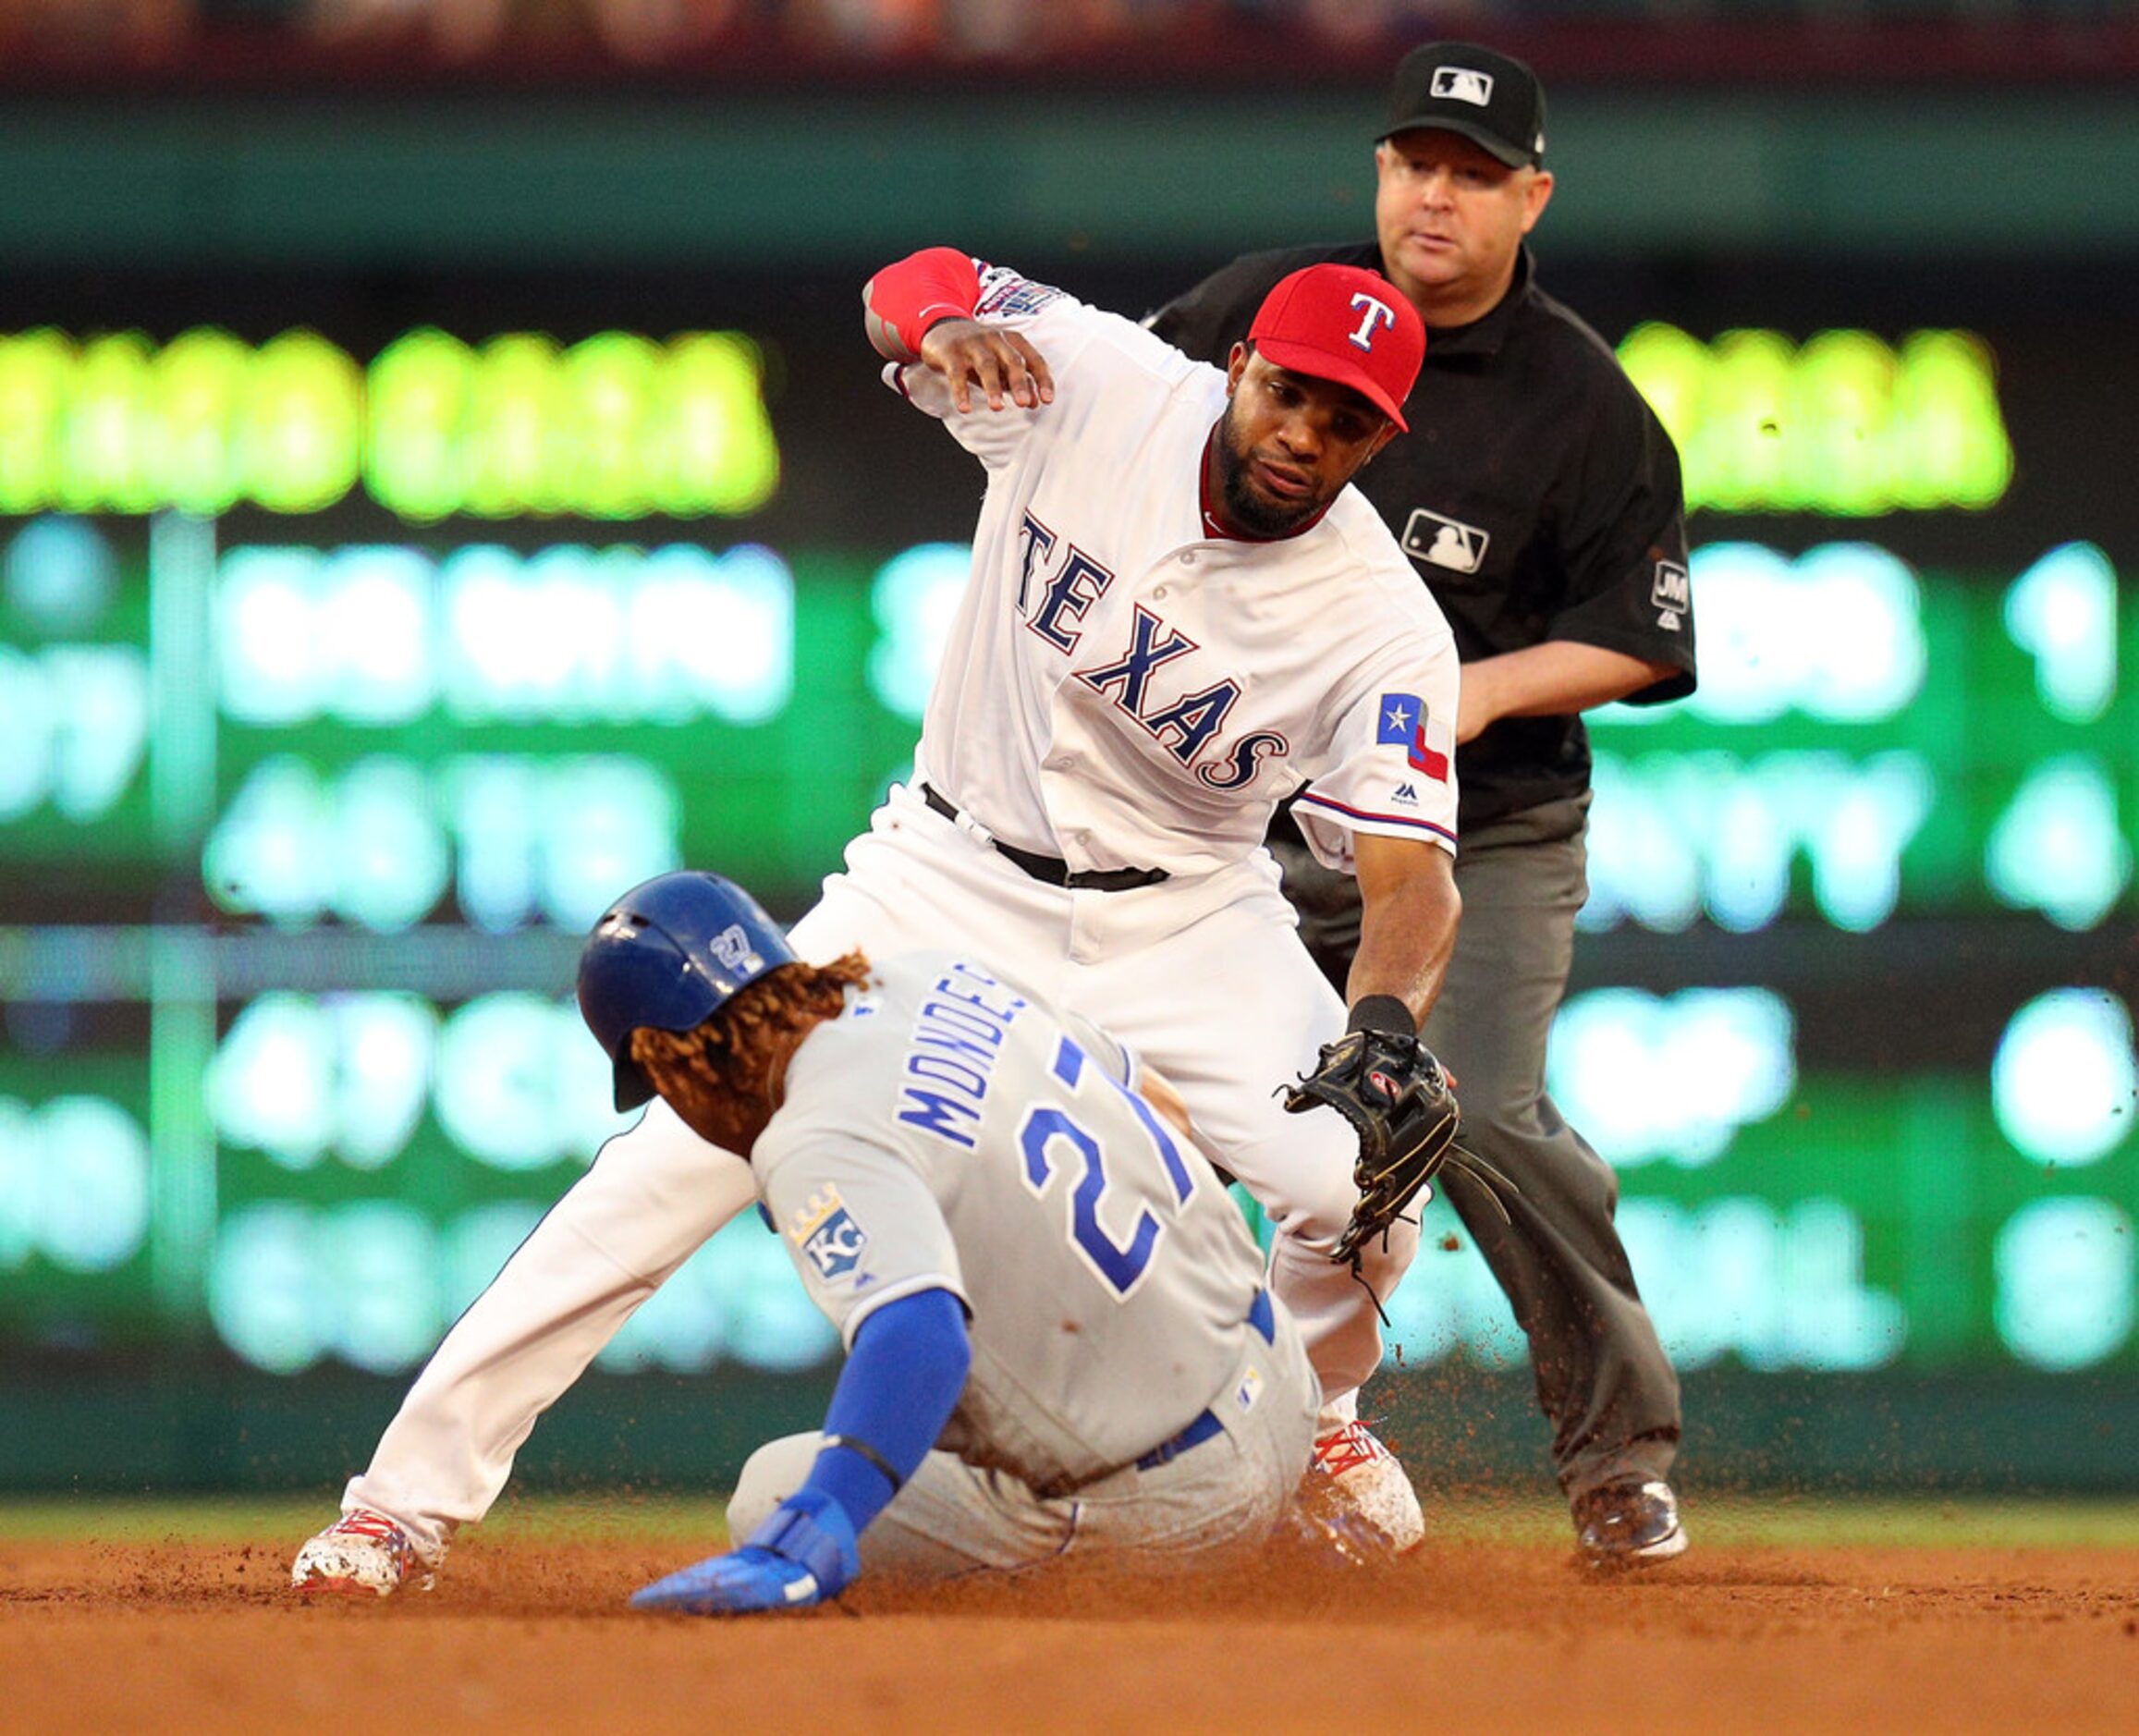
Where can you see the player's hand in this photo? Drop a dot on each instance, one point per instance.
(748, 1579)
(1000, 362)
(804, 1553)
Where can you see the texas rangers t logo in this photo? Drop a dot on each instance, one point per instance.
(1378, 314)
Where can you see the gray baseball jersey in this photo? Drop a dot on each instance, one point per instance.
(947, 1133)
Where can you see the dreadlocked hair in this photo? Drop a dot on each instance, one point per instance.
(738, 1055)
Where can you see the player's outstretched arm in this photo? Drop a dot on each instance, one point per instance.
(898, 1390)
(1378, 1075)
(1548, 679)
(921, 310)
(1407, 930)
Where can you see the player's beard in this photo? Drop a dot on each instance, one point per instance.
(1255, 514)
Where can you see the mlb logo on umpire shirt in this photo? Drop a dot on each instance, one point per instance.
(1444, 542)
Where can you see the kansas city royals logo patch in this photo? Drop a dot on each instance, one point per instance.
(828, 1235)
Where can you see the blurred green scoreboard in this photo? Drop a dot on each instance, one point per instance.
(338, 695)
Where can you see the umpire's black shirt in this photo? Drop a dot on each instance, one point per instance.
(1536, 492)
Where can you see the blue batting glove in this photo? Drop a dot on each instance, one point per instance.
(804, 1553)
(748, 1579)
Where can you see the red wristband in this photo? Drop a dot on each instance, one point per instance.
(905, 300)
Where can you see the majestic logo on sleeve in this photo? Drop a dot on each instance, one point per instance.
(1426, 741)
(1445, 543)
(1374, 315)
(826, 1233)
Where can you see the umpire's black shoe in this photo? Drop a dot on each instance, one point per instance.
(1632, 1523)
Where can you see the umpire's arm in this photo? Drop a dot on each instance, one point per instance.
(1407, 929)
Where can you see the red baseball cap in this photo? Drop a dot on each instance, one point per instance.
(1345, 323)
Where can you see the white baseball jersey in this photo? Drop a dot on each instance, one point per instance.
(1122, 689)
(946, 1133)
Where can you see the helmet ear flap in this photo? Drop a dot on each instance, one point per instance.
(668, 955)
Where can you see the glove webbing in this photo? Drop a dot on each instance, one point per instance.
(1472, 1168)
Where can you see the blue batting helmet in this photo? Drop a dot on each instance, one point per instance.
(668, 955)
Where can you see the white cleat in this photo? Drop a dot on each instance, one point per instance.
(1367, 1474)
(362, 1554)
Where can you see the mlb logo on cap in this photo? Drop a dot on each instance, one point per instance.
(1491, 99)
(1459, 84)
(1345, 324)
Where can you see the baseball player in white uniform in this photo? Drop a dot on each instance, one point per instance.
(1179, 614)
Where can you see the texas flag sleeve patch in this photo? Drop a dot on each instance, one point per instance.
(1399, 718)
(1426, 741)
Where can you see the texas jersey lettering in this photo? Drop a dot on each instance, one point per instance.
(1186, 724)
(1122, 688)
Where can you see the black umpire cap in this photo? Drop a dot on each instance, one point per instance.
(1492, 100)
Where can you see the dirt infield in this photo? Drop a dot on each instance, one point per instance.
(528, 1632)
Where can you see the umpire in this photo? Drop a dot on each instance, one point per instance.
(1540, 499)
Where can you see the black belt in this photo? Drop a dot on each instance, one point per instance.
(1207, 1425)
(1053, 870)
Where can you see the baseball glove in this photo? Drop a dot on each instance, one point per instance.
(1396, 1098)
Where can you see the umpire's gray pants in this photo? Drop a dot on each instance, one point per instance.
(1603, 1380)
